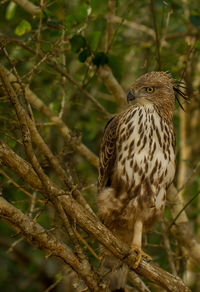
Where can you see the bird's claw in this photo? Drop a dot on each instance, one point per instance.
(140, 255)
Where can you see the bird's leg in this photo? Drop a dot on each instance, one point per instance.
(137, 243)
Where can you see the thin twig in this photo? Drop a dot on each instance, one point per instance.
(190, 178)
(71, 232)
(168, 248)
(110, 22)
(86, 244)
(52, 286)
(63, 87)
(32, 207)
(186, 205)
(17, 186)
(157, 40)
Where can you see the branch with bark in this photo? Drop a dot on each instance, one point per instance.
(44, 240)
(28, 6)
(92, 225)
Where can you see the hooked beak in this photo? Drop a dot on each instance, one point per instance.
(131, 96)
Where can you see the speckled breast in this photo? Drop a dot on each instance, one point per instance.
(145, 161)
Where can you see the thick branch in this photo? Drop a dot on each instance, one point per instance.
(10, 159)
(24, 130)
(92, 225)
(28, 6)
(36, 235)
(106, 75)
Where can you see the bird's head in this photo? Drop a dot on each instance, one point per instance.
(157, 88)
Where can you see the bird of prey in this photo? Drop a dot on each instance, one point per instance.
(137, 165)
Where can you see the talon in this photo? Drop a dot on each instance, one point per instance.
(147, 257)
(139, 256)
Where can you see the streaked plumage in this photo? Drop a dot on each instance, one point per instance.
(137, 165)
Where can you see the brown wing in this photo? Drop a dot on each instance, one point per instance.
(107, 154)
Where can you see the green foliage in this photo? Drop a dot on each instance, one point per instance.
(94, 39)
(84, 55)
(77, 43)
(195, 19)
(100, 59)
(70, 21)
(23, 27)
(115, 63)
(10, 11)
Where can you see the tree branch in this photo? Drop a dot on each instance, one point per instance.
(157, 40)
(28, 6)
(92, 225)
(106, 75)
(134, 26)
(39, 237)
(110, 22)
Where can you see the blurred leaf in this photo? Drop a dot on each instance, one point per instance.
(23, 28)
(70, 21)
(96, 4)
(10, 11)
(84, 55)
(47, 13)
(77, 42)
(195, 19)
(100, 59)
(197, 45)
(82, 12)
(94, 40)
(115, 64)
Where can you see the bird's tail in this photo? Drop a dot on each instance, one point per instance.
(114, 272)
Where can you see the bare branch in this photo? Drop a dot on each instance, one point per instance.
(28, 6)
(106, 75)
(10, 159)
(92, 225)
(39, 237)
(24, 129)
(110, 29)
(134, 26)
(17, 186)
(157, 40)
(137, 282)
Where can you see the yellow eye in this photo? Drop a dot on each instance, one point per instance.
(149, 89)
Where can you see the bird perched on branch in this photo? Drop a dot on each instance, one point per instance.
(137, 165)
